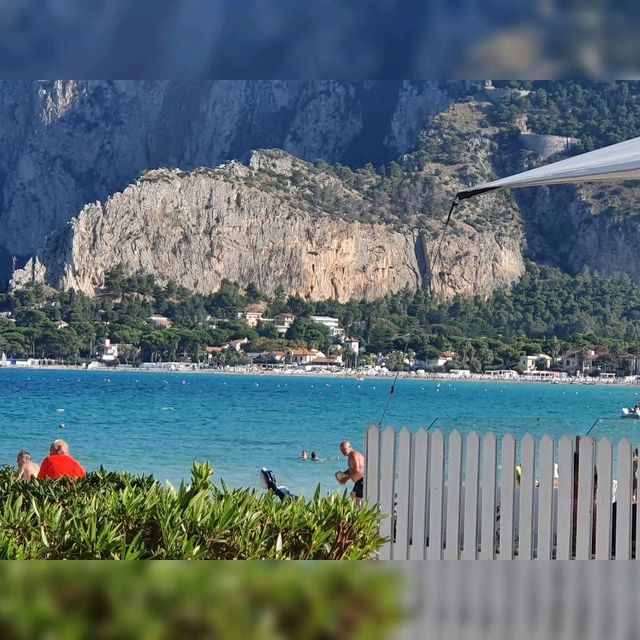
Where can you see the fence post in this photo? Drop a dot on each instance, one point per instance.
(436, 495)
(527, 487)
(420, 497)
(400, 549)
(488, 520)
(584, 528)
(387, 489)
(603, 499)
(546, 496)
(454, 488)
(471, 492)
(624, 501)
(507, 490)
(564, 547)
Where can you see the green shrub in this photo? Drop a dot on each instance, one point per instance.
(121, 516)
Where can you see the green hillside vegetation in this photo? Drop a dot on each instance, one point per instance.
(597, 113)
(546, 311)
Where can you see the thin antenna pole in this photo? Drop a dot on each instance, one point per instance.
(393, 386)
(593, 425)
(454, 204)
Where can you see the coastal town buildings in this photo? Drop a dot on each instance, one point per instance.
(333, 324)
(534, 362)
(109, 352)
(578, 361)
(251, 316)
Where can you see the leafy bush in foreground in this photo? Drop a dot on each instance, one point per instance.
(121, 516)
(226, 601)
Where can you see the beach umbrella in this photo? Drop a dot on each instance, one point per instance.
(614, 163)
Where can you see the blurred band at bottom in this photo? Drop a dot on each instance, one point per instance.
(438, 600)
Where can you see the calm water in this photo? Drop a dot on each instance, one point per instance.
(160, 422)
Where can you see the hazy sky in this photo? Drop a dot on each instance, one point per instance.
(323, 39)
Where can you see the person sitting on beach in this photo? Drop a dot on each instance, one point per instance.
(27, 468)
(355, 471)
(59, 464)
(303, 455)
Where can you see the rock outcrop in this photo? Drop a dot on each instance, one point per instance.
(66, 143)
(262, 224)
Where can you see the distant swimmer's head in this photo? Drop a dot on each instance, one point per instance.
(314, 455)
(59, 447)
(23, 456)
(61, 425)
(303, 455)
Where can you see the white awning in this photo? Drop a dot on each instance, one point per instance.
(610, 164)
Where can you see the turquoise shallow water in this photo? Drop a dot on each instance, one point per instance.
(160, 422)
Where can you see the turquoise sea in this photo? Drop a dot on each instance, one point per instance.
(159, 423)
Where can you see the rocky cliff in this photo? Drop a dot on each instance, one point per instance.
(69, 143)
(66, 143)
(263, 223)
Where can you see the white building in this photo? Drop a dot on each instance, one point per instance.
(503, 374)
(109, 351)
(528, 363)
(333, 324)
(351, 344)
(251, 317)
(283, 321)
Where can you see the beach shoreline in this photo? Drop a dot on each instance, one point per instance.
(359, 375)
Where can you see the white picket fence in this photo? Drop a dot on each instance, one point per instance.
(456, 498)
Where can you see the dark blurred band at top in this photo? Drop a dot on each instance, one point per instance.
(289, 39)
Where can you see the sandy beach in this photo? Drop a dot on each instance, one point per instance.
(360, 374)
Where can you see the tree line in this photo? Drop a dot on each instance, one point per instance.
(546, 311)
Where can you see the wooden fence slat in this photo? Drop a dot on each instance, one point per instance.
(387, 489)
(420, 495)
(489, 501)
(471, 494)
(544, 547)
(400, 549)
(507, 490)
(584, 527)
(604, 465)
(372, 465)
(527, 485)
(436, 495)
(454, 489)
(623, 501)
(564, 545)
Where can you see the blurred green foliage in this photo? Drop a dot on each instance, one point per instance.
(111, 515)
(225, 601)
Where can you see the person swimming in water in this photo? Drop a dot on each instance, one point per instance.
(303, 455)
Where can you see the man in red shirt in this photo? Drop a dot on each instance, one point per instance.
(59, 463)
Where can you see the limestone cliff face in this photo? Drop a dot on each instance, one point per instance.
(257, 224)
(66, 143)
(198, 228)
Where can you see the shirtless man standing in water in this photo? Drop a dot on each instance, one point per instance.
(355, 472)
